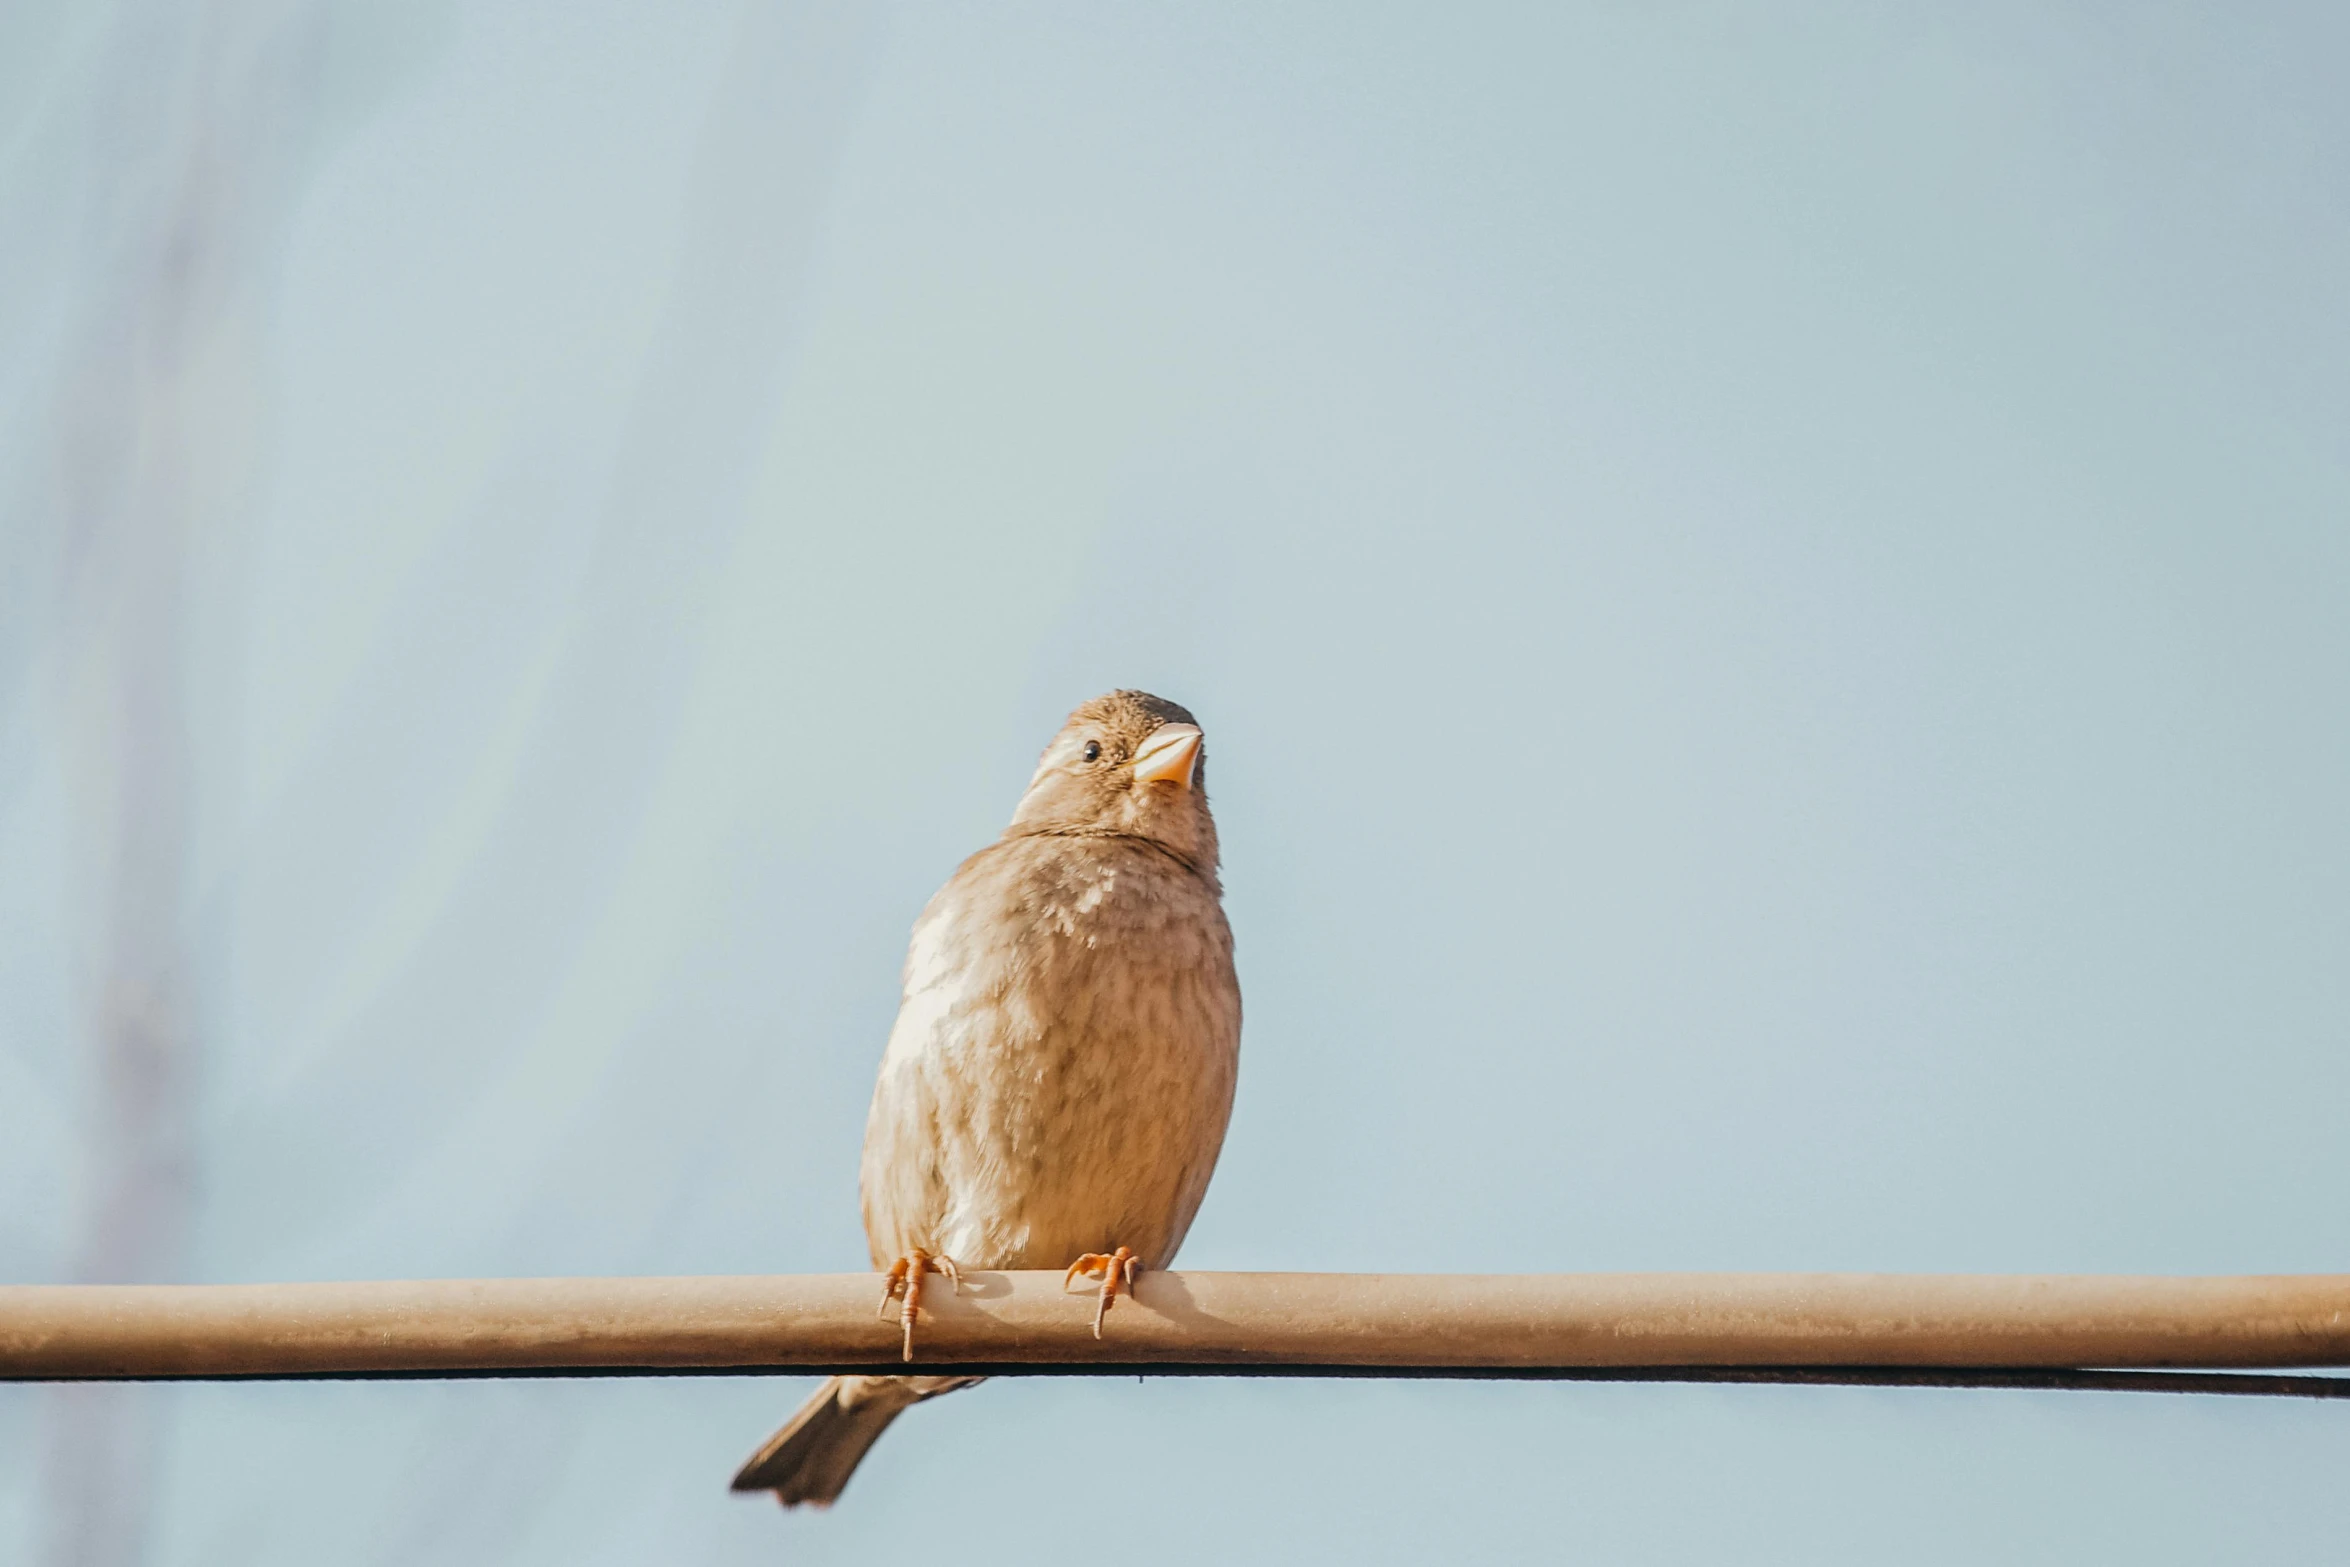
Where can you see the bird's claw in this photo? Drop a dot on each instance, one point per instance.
(903, 1283)
(1116, 1270)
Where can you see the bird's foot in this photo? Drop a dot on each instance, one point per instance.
(1116, 1272)
(904, 1285)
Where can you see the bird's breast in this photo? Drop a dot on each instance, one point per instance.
(1062, 1066)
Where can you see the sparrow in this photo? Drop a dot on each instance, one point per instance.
(1056, 1087)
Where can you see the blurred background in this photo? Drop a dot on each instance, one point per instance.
(1767, 587)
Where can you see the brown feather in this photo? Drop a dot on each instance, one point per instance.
(810, 1460)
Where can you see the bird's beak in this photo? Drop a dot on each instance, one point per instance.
(1170, 755)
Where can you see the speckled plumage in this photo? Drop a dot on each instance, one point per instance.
(1061, 1070)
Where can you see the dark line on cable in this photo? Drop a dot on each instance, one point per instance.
(2236, 1383)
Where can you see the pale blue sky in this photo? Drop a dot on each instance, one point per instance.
(1769, 589)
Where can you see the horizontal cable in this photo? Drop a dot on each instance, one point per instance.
(1931, 1330)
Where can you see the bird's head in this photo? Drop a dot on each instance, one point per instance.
(1129, 764)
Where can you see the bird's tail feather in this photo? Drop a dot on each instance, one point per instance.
(811, 1458)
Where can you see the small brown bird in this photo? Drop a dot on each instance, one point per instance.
(1056, 1086)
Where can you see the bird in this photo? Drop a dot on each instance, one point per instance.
(1055, 1090)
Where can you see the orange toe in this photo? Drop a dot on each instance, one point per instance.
(1116, 1270)
(903, 1283)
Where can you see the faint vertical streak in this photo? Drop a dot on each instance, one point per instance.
(714, 367)
(702, 411)
(187, 176)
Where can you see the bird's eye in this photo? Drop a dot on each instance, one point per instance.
(1093, 750)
